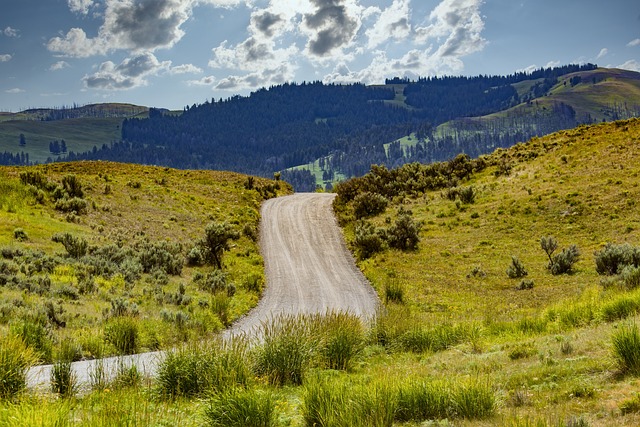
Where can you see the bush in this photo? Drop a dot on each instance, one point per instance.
(76, 247)
(562, 263)
(20, 235)
(216, 242)
(214, 282)
(369, 204)
(516, 270)
(15, 360)
(467, 195)
(549, 245)
(367, 240)
(75, 204)
(612, 259)
(630, 277)
(524, 284)
(72, 186)
(241, 408)
(626, 348)
(164, 256)
(404, 234)
(123, 334)
(36, 336)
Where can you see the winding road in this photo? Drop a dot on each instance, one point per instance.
(308, 270)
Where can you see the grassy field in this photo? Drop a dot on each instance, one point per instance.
(458, 342)
(138, 226)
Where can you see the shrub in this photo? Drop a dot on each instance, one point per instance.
(20, 235)
(467, 195)
(626, 348)
(524, 284)
(404, 234)
(15, 360)
(216, 242)
(123, 334)
(516, 270)
(630, 277)
(613, 258)
(549, 246)
(241, 408)
(562, 263)
(76, 247)
(286, 351)
(367, 240)
(369, 204)
(72, 186)
(75, 204)
(214, 282)
(631, 405)
(161, 255)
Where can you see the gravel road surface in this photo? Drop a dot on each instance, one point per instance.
(308, 270)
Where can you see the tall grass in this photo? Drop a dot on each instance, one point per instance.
(195, 370)
(63, 379)
(340, 338)
(15, 360)
(238, 407)
(285, 353)
(626, 348)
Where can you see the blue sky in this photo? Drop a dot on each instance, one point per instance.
(173, 53)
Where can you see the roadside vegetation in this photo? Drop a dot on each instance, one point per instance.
(509, 284)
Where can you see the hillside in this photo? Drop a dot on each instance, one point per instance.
(82, 129)
(84, 243)
(544, 105)
(544, 338)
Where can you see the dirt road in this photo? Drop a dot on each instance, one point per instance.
(308, 270)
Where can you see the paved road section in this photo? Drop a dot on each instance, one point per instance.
(308, 270)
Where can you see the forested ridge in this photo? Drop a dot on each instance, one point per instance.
(346, 126)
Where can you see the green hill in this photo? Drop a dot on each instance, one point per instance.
(85, 242)
(543, 338)
(81, 128)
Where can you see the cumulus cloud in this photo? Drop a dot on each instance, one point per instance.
(278, 75)
(129, 74)
(5, 58)
(459, 22)
(634, 42)
(392, 23)
(331, 26)
(631, 65)
(603, 52)
(205, 81)
(80, 6)
(11, 32)
(129, 24)
(60, 65)
(185, 69)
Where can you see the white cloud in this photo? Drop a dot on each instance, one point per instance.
(80, 6)
(205, 81)
(634, 43)
(603, 52)
(393, 23)
(15, 90)
(129, 24)
(459, 23)
(631, 65)
(60, 65)
(11, 32)
(278, 75)
(129, 74)
(5, 58)
(185, 69)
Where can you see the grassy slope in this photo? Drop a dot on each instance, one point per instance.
(80, 134)
(582, 188)
(161, 204)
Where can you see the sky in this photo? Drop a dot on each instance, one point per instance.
(176, 53)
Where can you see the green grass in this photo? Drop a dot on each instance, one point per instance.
(137, 234)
